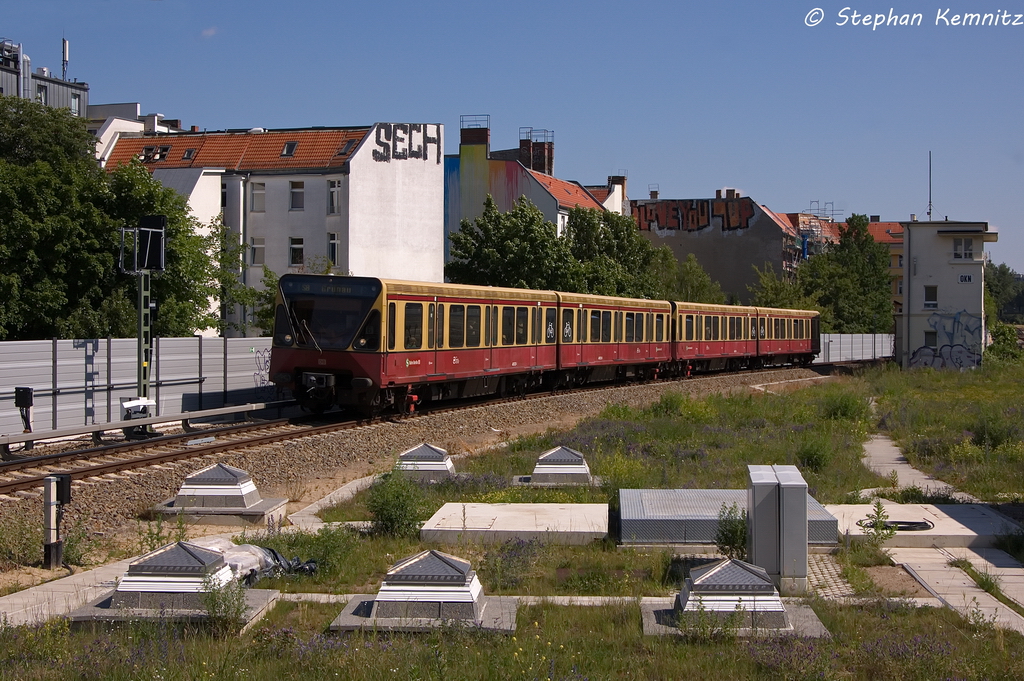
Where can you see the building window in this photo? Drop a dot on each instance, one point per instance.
(931, 297)
(188, 155)
(289, 149)
(333, 197)
(298, 196)
(41, 94)
(223, 196)
(295, 257)
(333, 248)
(963, 249)
(258, 245)
(76, 104)
(258, 200)
(899, 286)
(899, 261)
(931, 339)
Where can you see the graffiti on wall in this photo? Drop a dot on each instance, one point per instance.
(958, 338)
(265, 390)
(691, 215)
(403, 141)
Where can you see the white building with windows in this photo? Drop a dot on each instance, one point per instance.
(943, 321)
(368, 201)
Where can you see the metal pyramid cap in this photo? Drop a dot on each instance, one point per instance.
(218, 474)
(429, 567)
(561, 456)
(179, 558)
(731, 575)
(423, 452)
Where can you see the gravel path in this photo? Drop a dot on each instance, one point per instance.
(113, 502)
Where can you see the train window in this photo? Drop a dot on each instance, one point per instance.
(761, 323)
(473, 326)
(369, 336)
(430, 326)
(391, 326)
(650, 326)
(618, 327)
(537, 326)
(716, 326)
(456, 326)
(508, 325)
(550, 322)
(487, 325)
(659, 328)
(413, 326)
(638, 334)
(567, 326)
(630, 321)
(746, 327)
(595, 326)
(494, 325)
(707, 327)
(689, 327)
(440, 326)
(732, 328)
(606, 326)
(522, 326)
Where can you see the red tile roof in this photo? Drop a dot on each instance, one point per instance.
(782, 220)
(886, 232)
(568, 194)
(315, 148)
(599, 193)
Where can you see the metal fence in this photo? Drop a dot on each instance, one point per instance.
(81, 382)
(854, 347)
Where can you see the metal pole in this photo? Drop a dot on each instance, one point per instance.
(145, 328)
(199, 379)
(156, 362)
(53, 548)
(110, 382)
(224, 402)
(54, 394)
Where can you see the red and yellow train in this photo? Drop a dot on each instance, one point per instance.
(373, 344)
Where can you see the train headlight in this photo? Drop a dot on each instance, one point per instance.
(288, 339)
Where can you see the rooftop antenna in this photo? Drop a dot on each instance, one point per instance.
(929, 186)
(64, 59)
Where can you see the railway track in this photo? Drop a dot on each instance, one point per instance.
(29, 474)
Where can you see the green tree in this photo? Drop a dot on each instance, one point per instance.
(851, 280)
(1002, 284)
(692, 283)
(60, 216)
(518, 249)
(787, 292)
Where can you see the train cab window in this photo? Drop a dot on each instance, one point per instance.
(456, 326)
(369, 336)
(659, 328)
(413, 326)
(508, 325)
(391, 326)
(567, 317)
(689, 327)
(606, 326)
(630, 322)
(430, 325)
(440, 326)
(550, 324)
(522, 325)
(473, 326)
(595, 326)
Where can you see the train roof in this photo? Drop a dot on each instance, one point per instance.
(586, 298)
(427, 288)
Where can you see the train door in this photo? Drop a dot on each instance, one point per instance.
(570, 342)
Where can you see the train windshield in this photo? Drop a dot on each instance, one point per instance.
(325, 312)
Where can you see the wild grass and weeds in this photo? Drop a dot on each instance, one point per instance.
(965, 428)
(883, 639)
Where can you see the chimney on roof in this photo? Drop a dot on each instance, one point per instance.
(194, 128)
(875, 218)
(617, 180)
(913, 217)
(475, 129)
(718, 193)
(537, 149)
(653, 188)
(731, 193)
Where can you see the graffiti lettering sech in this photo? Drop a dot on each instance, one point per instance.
(404, 141)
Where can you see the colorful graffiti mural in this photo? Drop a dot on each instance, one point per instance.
(692, 215)
(958, 341)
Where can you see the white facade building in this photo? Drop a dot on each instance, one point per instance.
(368, 201)
(943, 321)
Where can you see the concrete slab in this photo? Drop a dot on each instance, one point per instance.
(256, 514)
(658, 618)
(498, 614)
(955, 525)
(495, 523)
(99, 611)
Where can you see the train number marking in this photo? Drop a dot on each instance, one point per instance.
(322, 362)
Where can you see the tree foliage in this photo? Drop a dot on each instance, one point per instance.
(600, 252)
(1006, 291)
(60, 220)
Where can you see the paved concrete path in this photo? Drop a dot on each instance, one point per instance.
(955, 587)
(61, 596)
(882, 456)
(307, 519)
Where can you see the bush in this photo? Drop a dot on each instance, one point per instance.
(225, 606)
(21, 541)
(837, 404)
(731, 537)
(505, 567)
(395, 502)
(814, 454)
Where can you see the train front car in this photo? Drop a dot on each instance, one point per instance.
(327, 340)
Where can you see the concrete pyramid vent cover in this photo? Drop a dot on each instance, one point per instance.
(172, 577)
(218, 486)
(430, 585)
(429, 567)
(426, 462)
(733, 587)
(561, 465)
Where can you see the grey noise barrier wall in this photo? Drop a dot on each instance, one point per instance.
(81, 382)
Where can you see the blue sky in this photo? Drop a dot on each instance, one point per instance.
(690, 96)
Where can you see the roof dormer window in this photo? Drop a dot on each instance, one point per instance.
(347, 148)
(289, 149)
(188, 155)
